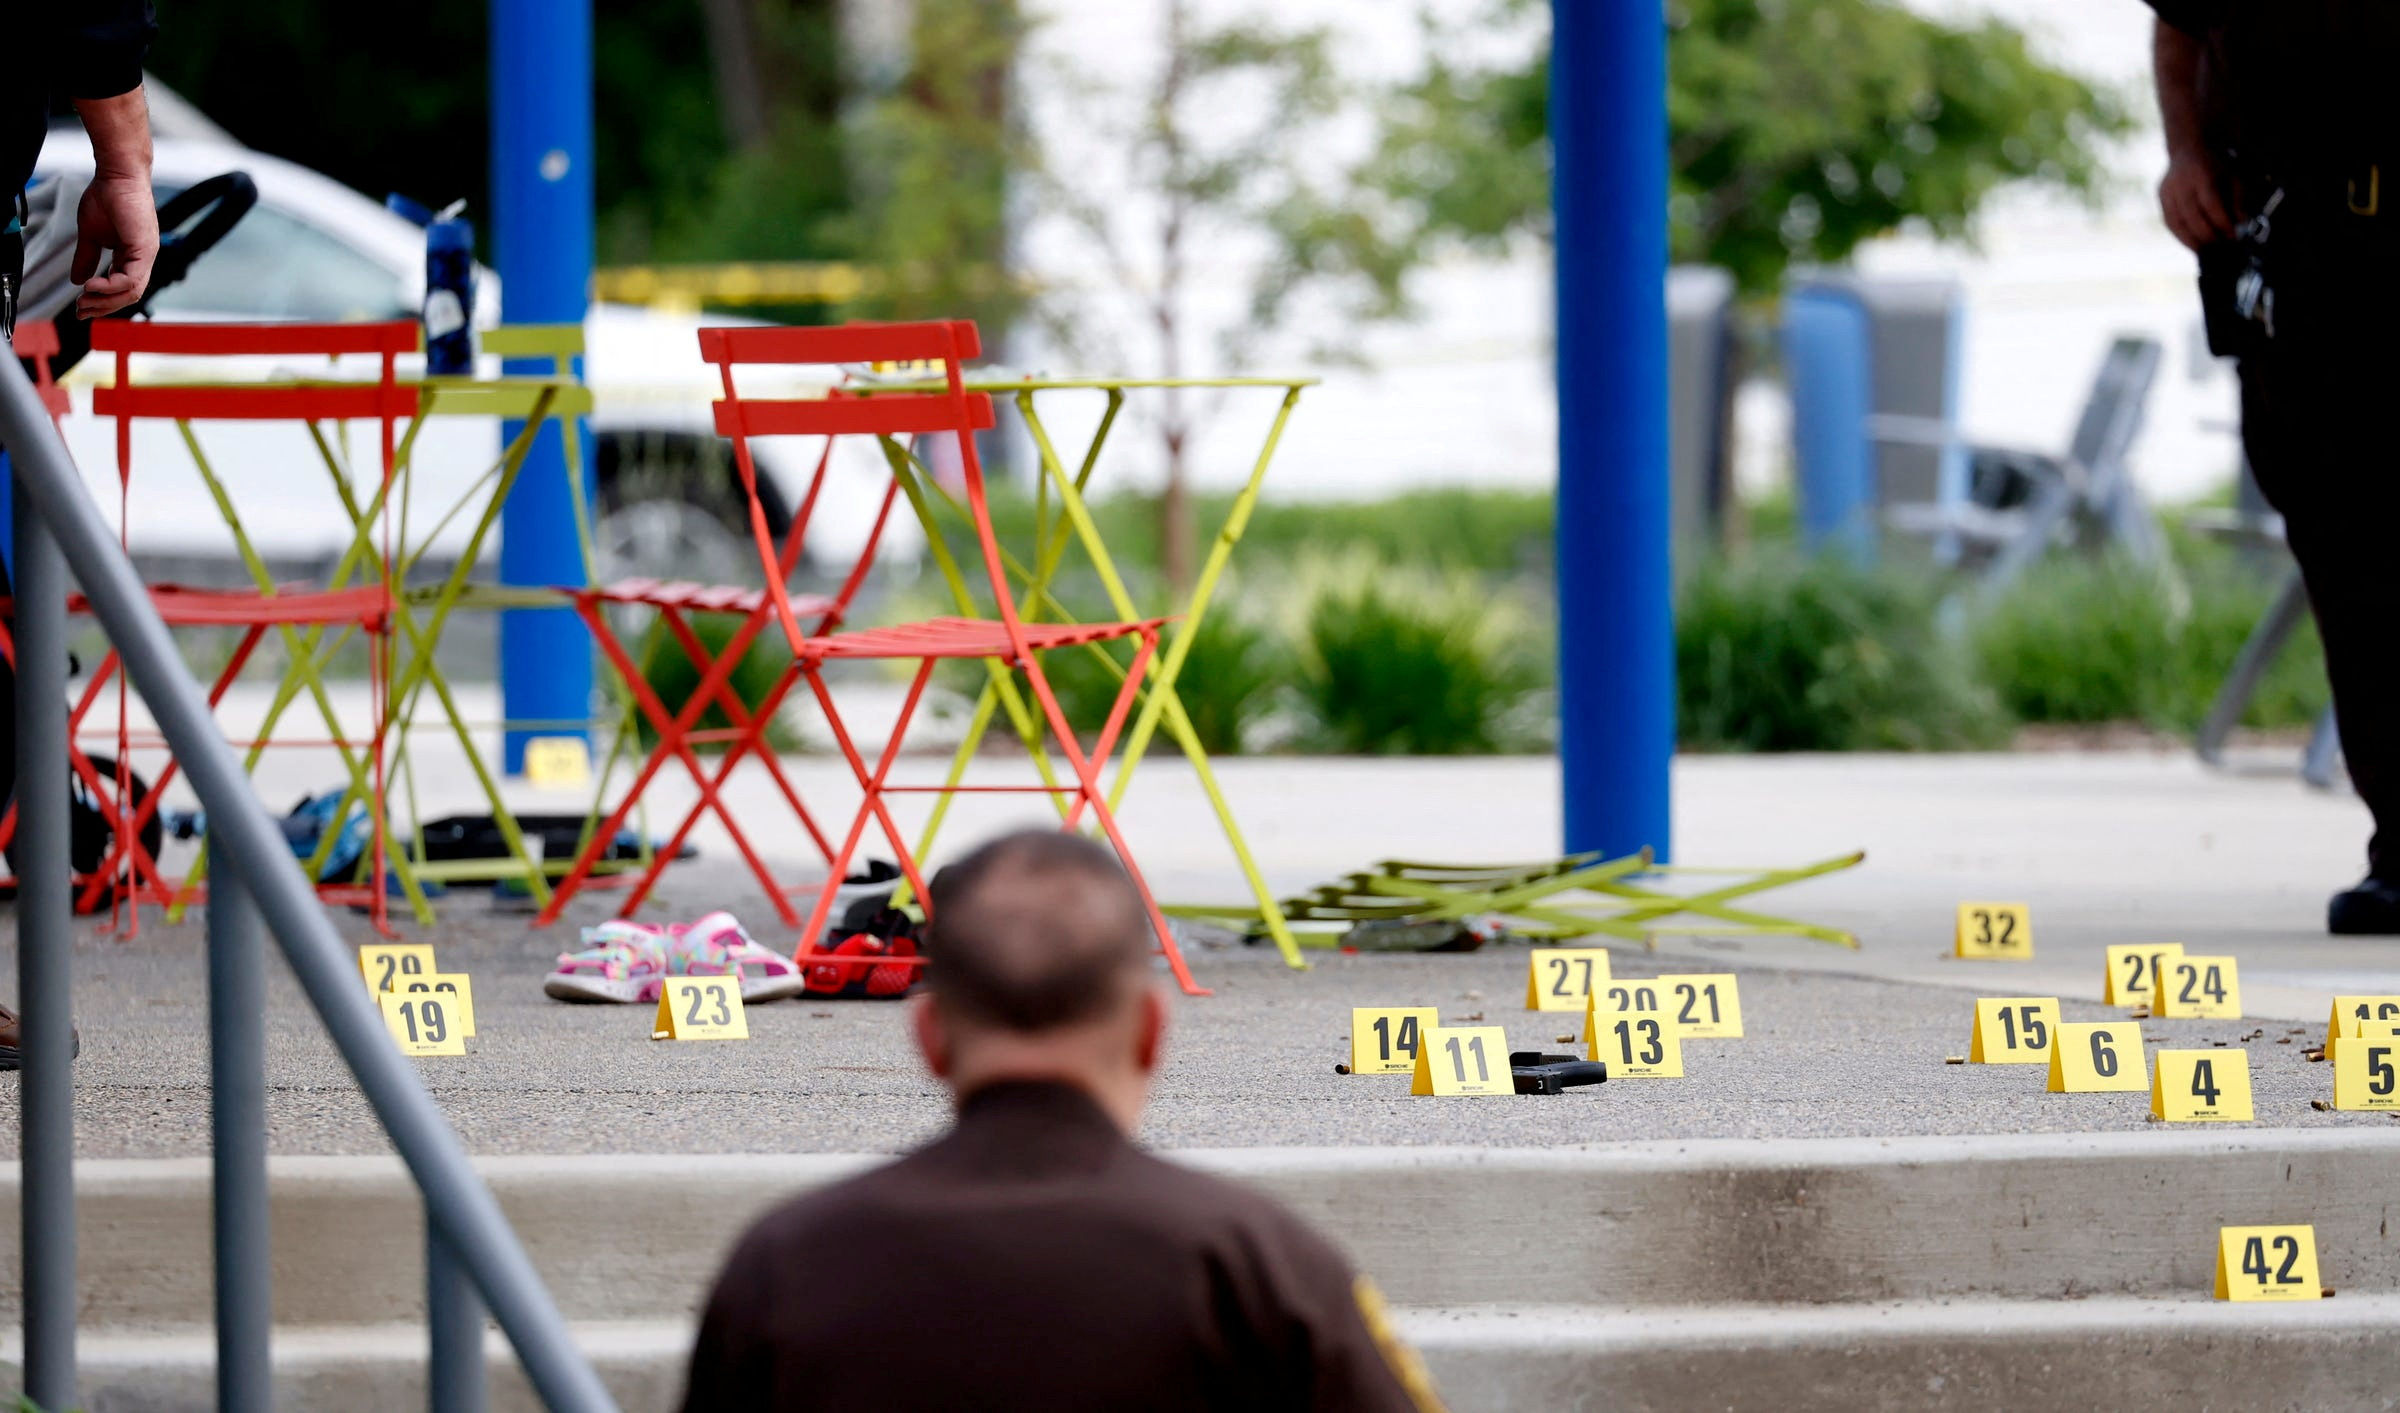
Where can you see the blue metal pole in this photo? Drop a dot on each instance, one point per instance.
(542, 236)
(1616, 628)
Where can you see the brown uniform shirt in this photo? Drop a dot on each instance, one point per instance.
(1034, 1259)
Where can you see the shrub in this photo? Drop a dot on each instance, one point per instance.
(1780, 653)
(2106, 640)
(1231, 677)
(2079, 641)
(1392, 666)
(672, 674)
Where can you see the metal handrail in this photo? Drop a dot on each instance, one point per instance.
(471, 1249)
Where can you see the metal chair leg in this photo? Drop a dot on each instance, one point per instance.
(2321, 764)
(2259, 651)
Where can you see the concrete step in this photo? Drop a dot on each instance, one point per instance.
(2189, 1354)
(2103, 1353)
(637, 1237)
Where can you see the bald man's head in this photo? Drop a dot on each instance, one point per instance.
(1036, 931)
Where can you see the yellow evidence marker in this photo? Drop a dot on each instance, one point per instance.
(2191, 986)
(456, 987)
(422, 1024)
(2352, 1012)
(383, 963)
(1462, 1059)
(1638, 1045)
(1383, 1039)
(1560, 978)
(2012, 1030)
(2268, 1263)
(1615, 998)
(558, 763)
(2088, 1057)
(1707, 1005)
(2363, 1074)
(701, 1008)
(2201, 1086)
(2130, 969)
(1994, 932)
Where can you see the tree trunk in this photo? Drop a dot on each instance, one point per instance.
(744, 102)
(1179, 536)
(1177, 548)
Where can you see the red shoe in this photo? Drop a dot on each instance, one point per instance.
(862, 977)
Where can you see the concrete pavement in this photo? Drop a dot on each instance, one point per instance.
(2104, 847)
(1824, 1214)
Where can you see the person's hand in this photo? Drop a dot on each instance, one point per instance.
(116, 216)
(2193, 202)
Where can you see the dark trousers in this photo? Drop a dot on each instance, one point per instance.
(2321, 429)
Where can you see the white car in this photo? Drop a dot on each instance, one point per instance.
(671, 504)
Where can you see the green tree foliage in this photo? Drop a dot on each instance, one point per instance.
(1797, 130)
(759, 147)
(383, 100)
(718, 149)
(1207, 145)
(930, 162)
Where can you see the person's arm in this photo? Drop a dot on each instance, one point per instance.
(2192, 195)
(103, 42)
(117, 215)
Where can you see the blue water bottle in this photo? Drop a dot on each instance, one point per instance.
(449, 292)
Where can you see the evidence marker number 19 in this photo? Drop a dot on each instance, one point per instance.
(422, 1024)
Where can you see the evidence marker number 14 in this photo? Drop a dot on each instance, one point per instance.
(1384, 1039)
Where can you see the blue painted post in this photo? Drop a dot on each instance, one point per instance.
(542, 236)
(1616, 616)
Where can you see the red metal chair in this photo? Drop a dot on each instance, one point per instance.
(360, 600)
(679, 731)
(1006, 638)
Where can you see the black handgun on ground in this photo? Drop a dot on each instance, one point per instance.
(1537, 1073)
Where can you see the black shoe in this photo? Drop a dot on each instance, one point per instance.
(2372, 909)
(10, 1056)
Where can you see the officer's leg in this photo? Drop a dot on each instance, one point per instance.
(2324, 459)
